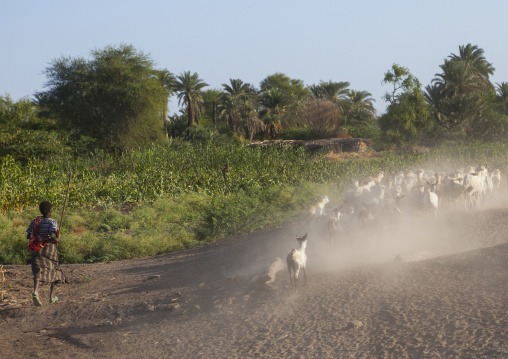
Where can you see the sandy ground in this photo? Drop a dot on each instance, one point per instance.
(446, 296)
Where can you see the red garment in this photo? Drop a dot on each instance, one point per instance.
(37, 242)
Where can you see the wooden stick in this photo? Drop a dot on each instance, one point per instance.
(65, 203)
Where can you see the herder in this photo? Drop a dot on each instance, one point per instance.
(43, 235)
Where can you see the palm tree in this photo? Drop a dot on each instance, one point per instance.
(237, 88)
(463, 110)
(457, 95)
(502, 95)
(237, 96)
(229, 111)
(434, 94)
(473, 56)
(457, 78)
(189, 92)
(359, 105)
(331, 91)
(250, 121)
(168, 81)
(274, 106)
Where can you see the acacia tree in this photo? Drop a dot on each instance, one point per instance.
(407, 113)
(15, 114)
(114, 97)
(189, 92)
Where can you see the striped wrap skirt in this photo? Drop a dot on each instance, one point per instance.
(45, 265)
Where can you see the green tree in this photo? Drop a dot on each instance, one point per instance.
(502, 95)
(330, 91)
(407, 113)
(292, 88)
(189, 92)
(358, 107)
(275, 104)
(238, 100)
(211, 98)
(168, 82)
(459, 95)
(114, 97)
(473, 56)
(16, 114)
(249, 120)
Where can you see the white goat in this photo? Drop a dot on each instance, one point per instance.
(474, 184)
(297, 260)
(430, 200)
(316, 210)
(378, 178)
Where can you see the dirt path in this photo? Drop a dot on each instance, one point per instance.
(447, 298)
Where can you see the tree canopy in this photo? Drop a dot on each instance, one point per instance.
(116, 96)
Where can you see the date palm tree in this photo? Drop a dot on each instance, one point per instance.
(502, 95)
(274, 107)
(237, 96)
(168, 81)
(473, 56)
(458, 94)
(434, 94)
(331, 91)
(358, 105)
(250, 120)
(189, 92)
(457, 79)
(238, 88)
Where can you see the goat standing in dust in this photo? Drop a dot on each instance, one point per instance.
(296, 260)
(430, 200)
(334, 227)
(316, 210)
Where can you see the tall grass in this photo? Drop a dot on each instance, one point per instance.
(166, 198)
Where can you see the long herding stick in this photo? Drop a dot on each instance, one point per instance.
(65, 203)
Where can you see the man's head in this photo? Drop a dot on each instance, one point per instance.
(45, 207)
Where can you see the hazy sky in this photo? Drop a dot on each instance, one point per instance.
(354, 41)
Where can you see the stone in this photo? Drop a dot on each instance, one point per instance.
(354, 324)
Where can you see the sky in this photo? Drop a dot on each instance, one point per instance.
(313, 41)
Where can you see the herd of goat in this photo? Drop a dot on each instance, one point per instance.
(382, 199)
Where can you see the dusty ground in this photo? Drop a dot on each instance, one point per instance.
(446, 298)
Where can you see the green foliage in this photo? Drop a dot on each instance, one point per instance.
(188, 88)
(330, 91)
(293, 88)
(265, 187)
(462, 97)
(370, 131)
(13, 242)
(116, 97)
(24, 144)
(304, 134)
(358, 108)
(408, 113)
(14, 115)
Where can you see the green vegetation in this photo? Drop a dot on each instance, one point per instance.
(166, 198)
(146, 183)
